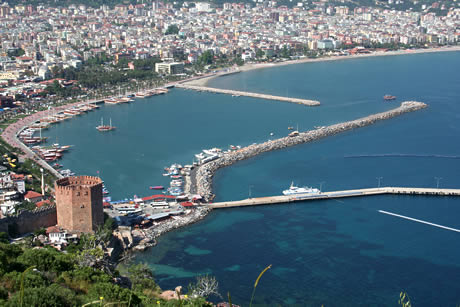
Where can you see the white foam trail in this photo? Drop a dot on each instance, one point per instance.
(419, 221)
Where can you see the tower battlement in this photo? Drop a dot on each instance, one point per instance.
(79, 203)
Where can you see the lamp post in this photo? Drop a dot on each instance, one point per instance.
(437, 181)
(43, 182)
(321, 186)
(379, 180)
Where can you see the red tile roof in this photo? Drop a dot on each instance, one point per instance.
(43, 202)
(32, 194)
(158, 196)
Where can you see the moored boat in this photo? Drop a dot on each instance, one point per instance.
(389, 97)
(300, 190)
(103, 127)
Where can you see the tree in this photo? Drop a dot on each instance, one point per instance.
(206, 58)
(142, 279)
(26, 205)
(45, 259)
(4, 237)
(16, 52)
(204, 287)
(54, 295)
(113, 293)
(259, 53)
(172, 29)
(285, 53)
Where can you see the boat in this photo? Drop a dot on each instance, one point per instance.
(103, 127)
(57, 165)
(389, 97)
(125, 99)
(300, 190)
(157, 187)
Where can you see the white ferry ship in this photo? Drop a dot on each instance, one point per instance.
(300, 190)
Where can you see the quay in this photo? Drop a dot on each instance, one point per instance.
(306, 102)
(333, 195)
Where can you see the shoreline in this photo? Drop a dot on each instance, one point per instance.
(248, 67)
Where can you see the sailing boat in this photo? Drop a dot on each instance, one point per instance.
(295, 132)
(105, 128)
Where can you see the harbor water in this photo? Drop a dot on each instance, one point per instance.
(336, 252)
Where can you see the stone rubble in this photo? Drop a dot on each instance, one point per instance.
(152, 233)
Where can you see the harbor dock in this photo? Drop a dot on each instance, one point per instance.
(306, 102)
(334, 195)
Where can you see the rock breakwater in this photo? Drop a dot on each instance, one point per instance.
(147, 237)
(205, 172)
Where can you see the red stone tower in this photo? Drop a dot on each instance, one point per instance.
(79, 203)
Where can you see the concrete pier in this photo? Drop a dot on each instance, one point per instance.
(206, 171)
(333, 195)
(306, 102)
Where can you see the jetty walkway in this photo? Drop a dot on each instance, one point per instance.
(306, 102)
(333, 195)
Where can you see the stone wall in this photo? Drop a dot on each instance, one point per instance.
(29, 221)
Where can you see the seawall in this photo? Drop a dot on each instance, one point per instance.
(206, 172)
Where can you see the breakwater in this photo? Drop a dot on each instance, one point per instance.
(394, 155)
(205, 172)
(269, 200)
(306, 102)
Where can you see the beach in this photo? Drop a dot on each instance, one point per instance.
(203, 81)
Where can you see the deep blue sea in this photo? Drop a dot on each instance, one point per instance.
(337, 252)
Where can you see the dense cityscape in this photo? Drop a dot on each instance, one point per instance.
(41, 43)
(63, 240)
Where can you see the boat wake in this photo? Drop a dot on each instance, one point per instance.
(398, 155)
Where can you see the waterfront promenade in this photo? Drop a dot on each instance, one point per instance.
(301, 101)
(334, 195)
(10, 134)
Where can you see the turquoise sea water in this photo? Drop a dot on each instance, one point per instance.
(338, 252)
